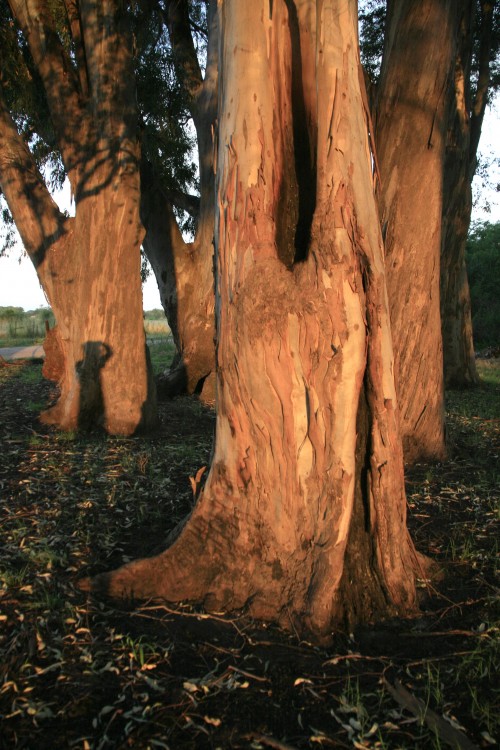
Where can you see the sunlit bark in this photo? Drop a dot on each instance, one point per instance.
(464, 129)
(411, 121)
(302, 518)
(89, 265)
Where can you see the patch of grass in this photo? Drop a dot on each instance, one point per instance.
(12, 578)
(489, 371)
(69, 436)
(482, 402)
(473, 424)
(35, 406)
(479, 671)
(162, 353)
(30, 373)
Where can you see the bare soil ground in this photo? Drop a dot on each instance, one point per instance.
(76, 673)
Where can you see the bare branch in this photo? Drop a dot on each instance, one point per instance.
(185, 201)
(56, 71)
(483, 83)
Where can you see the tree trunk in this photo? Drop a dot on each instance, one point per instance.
(97, 303)
(464, 129)
(184, 271)
(302, 518)
(184, 274)
(410, 136)
(89, 266)
(456, 319)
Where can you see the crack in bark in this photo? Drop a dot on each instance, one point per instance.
(298, 185)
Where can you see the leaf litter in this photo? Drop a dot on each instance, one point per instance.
(76, 673)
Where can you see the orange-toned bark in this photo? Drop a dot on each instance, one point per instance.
(302, 518)
(464, 127)
(411, 120)
(88, 265)
(53, 365)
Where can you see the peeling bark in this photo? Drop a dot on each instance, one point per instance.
(307, 473)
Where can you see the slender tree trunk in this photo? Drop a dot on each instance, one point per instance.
(302, 518)
(410, 135)
(184, 274)
(89, 266)
(464, 129)
(184, 271)
(456, 320)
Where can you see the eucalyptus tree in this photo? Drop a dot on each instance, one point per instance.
(303, 516)
(174, 57)
(426, 102)
(476, 78)
(410, 127)
(77, 61)
(473, 80)
(187, 34)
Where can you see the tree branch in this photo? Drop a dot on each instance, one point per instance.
(38, 219)
(75, 25)
(185, 201)
(483, 83)
(179, 30)
(56, 71)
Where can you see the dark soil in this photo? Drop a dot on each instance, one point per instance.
(78, 673)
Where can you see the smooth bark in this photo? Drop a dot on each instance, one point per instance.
(302, 518)
(456, 321)
(411, 120)
(464, 129)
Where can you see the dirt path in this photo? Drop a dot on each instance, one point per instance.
(14, 353)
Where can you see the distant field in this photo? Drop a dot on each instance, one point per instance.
(489, 370)
(26, 332)
(157, 327)
(27, 329)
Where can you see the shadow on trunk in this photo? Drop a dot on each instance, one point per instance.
(88, 369)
